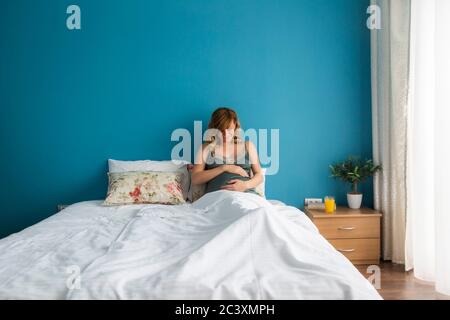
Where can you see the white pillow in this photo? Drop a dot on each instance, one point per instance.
(117, 166)
(261, 188)
(145, 165)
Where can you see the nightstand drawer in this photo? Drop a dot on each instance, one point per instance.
(358, 249)
(344, 228)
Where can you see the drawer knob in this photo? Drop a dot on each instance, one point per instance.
(346, 228)
(346, 250)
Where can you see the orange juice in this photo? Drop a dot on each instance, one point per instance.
(330, 204)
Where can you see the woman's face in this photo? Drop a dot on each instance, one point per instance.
(228, 134)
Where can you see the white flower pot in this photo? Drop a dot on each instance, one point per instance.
(354, 200)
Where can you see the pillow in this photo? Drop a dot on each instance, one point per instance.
(150, 165)
(261, 188)
(140, 187)
(197, 191)
(145, 165)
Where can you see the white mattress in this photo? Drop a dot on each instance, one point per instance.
(226, 245)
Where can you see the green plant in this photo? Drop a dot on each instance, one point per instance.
(353, 171)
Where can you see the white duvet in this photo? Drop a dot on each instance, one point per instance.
(227, 245)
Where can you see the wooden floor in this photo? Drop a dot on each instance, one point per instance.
(396, 284)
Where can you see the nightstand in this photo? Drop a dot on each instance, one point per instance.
(353, 232)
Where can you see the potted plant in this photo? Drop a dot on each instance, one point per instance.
(354, 171)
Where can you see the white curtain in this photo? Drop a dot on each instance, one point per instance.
(428, 161)
(390, 65)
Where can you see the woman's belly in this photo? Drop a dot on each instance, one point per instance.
(222, 180)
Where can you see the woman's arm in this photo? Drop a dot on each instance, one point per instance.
(200, 175)
(257, 178)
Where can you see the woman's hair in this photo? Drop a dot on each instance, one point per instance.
(221, 120)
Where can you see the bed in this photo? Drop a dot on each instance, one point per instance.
(226, 245)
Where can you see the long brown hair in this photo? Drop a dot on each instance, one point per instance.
(221, 119)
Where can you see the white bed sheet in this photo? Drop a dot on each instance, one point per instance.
(226, 245)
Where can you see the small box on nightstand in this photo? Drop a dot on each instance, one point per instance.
(353, 232)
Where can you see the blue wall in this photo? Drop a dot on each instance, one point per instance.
(69, 100)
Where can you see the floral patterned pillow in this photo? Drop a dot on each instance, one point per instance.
(138, 187)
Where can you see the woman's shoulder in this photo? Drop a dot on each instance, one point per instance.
(208, 148)
(249, 144)
(205, 150)
(207, 145)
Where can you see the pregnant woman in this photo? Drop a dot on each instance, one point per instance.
(226, 162)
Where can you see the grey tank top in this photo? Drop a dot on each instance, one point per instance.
(222, 179)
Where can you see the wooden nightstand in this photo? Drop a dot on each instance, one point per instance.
(353, 232)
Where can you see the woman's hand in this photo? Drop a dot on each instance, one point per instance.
(236, 185)
(231, 168)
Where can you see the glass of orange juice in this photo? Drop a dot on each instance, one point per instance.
(330, 204)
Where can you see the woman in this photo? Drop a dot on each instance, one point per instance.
(226, 162)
